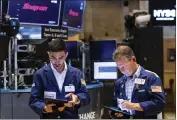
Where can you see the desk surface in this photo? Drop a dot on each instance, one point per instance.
(89, 86)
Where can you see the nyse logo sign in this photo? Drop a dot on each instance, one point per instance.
(162, 15)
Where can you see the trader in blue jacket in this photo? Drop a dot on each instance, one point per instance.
(58, 80)
(139, 91)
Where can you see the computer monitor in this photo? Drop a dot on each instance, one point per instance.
(35, 12)
(102, 49)
(29, 32)
(73, 14)
(72, 49)
(105, 71)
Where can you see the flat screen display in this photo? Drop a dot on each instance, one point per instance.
(73, 14)
(163, 12)
(35, 12)
(29, 32)
(105, 71)
(72, 49)
(102, 49)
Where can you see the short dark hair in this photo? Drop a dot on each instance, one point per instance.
(123, 51)
(57, 45)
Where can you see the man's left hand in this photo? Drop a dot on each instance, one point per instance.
(74, 101)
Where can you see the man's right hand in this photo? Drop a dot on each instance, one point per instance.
(48, 108)
(118, 115)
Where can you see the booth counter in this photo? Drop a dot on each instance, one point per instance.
(14, 104)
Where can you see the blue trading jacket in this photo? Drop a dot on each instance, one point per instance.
(151, 102)
(44, 80)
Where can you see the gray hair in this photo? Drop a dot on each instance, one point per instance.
(123, 51)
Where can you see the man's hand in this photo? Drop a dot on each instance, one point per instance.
(127, 104)
(118, 115)
(131, 106)
(48, 108)
(60, 109)
(74, 101)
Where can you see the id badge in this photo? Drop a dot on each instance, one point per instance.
(70, 88)
(48, 94)
(139, 81)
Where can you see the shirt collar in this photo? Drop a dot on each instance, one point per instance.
(137, 73)
(54, 70)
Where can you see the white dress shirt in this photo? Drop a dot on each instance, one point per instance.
(60, 77)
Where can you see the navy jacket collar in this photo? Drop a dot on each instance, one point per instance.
(50, 76)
